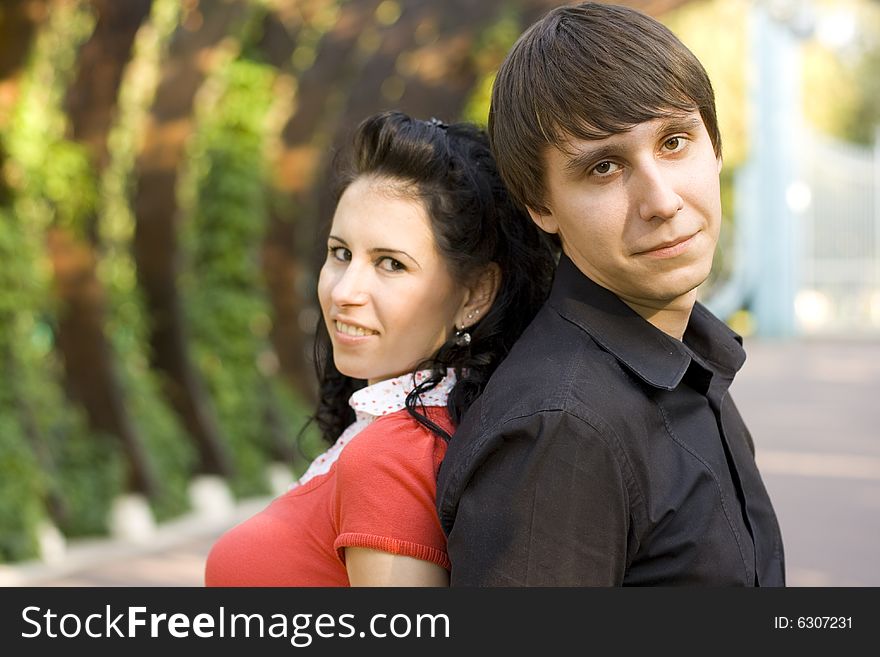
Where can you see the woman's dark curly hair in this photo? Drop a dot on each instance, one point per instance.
(475, 222)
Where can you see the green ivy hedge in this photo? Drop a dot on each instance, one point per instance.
(227, 308)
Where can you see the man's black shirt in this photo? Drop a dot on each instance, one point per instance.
(604, 452)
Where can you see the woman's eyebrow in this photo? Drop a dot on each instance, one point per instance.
(383, 249)
(378, 249)
(395, 252)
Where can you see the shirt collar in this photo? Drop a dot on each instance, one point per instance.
(389, 396)
(653, 356)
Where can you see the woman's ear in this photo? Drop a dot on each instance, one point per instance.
(479, 296)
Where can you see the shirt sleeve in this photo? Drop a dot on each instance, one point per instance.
(386, 487)
(548, 505)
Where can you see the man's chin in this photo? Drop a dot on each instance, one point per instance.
(681, 292)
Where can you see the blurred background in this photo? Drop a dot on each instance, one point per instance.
(164, 170)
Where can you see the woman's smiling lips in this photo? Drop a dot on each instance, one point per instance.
(670, 249)
(349, 333)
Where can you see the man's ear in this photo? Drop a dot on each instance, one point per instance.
(545, 222)
(480, 295)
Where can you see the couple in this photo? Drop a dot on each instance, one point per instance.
(602, 448)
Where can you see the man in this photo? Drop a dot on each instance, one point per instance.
(606, 449)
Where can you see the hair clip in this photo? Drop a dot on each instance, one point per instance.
(434, 121)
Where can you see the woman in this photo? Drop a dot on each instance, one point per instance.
(431, 274)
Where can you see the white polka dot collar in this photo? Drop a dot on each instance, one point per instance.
(374, 401)
(389, 396)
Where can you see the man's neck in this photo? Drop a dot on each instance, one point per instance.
(672, 319)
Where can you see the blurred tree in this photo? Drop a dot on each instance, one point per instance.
(90, 369)
(19, 20)
(198, 45)
(103, 371)
(48, 186)
(226, 310)
(841, 88)
(18, 26)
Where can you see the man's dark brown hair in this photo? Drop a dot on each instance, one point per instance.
(588, 71)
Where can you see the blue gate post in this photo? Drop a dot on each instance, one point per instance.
(776, 124)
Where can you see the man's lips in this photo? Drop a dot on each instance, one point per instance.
(670, 248)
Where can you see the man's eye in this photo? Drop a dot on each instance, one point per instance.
(604, 168)
(674, 144)
(390, 264)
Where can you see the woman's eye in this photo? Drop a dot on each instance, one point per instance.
(339, 253)
(390, 264)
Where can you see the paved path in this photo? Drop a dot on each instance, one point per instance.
(813, 409)
(174, 556)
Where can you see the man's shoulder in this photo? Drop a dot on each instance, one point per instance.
(554, 366)
(549, 401)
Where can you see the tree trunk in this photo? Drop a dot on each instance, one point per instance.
(202, 30)
(91, 378)
(88, 364)
(282, 269)
(91, 99)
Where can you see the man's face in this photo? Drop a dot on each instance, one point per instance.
(638, 212)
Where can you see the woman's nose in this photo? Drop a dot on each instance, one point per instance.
(350, 288)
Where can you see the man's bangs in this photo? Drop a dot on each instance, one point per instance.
(561, 124)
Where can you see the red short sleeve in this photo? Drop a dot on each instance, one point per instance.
(386, 488)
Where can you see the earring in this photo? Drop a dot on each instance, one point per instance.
(462, 337)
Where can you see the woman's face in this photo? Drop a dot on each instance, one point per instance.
(386, 293)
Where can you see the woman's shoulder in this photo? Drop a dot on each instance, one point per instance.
(398, 436)
(403, 421)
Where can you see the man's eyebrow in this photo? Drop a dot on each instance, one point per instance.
(582, 158)
(680, 123)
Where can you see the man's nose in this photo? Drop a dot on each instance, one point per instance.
(658, 198)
